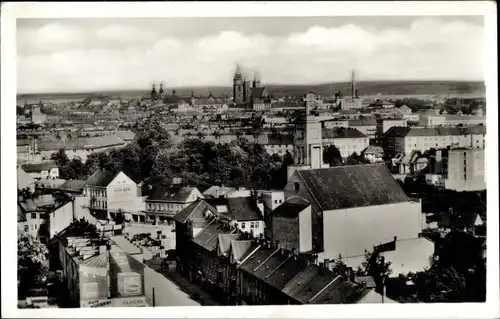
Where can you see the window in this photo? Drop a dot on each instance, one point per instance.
(26, 228)
(251, 225)
(275, 201)
(296, 186)
(256, 225)
(33, 215)
(242, 225)
(281, 201)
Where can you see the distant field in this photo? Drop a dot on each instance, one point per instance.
(394, 89)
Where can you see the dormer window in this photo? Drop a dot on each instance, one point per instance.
(296, 186)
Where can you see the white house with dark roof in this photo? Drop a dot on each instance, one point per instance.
(347, 140)
(42, 170)
(353, 208)
(106, 192)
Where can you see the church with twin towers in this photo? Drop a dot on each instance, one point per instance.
(246, 91)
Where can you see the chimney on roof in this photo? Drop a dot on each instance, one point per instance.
(395, 239)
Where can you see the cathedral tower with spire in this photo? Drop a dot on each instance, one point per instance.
(238, 86)
(154, 94)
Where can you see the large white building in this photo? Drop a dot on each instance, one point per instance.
(405, 140)
(107, 192)
(344, 211)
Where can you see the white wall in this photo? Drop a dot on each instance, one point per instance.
(122, 194)
(305, 230)
(60, 218)
(350, 231)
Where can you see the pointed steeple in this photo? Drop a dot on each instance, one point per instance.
(161, 88)
(238, 70)
(210, 96)
(353, 84)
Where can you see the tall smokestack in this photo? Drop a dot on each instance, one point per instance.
(353, 84)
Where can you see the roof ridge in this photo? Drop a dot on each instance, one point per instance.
(275, 269)
(324, 288)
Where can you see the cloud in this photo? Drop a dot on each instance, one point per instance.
(61, 57)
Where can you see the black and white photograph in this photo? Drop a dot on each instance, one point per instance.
(266, 159)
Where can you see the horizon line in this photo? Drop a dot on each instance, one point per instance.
(229, 86)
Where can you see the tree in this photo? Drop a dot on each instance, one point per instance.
(60, 158)
(32, 265)
(332, 156)
(375, 266)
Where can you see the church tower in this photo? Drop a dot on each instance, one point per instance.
(238, 86)
(161, 92)
(154, 95)
(307, 146)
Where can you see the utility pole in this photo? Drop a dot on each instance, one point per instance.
(154, 299)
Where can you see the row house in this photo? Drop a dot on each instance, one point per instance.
(165, 202)
(404, 140)
(242, 270)
(347, 140)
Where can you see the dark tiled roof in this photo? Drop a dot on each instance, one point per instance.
(340, 292)
(373, 150)
(194, 211)
(363, 122)
(341, 132)
(308, 283)
(72, 185)
(270, 265)
(258, 92)
(289, 269)
(243, 209)
(103, 141)
(101, 178)
(352, 186)
(256, 259)
(435, 131)
(282, 139)
(289, 209)
(171, 195)
(21, 216)
(32, 168)
(209, 236)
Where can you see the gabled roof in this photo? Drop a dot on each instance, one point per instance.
(365, 121)
(72, 185)
(216, 191)
(172, 195)
(239, 248)
(34, 168)
(286, 271)
(341, 132)
(372, 149)
(24, 180)
(21, 216)
(340, 291)
(308, 283)
(101, 178)
(194, 211)
(224, 243)
(243, 209)
(290, 209)
(256, 259)
(352, 186)
(209, 236)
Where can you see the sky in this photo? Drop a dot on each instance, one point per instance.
(82, 55)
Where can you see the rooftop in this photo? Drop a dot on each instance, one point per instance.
(352, 186)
